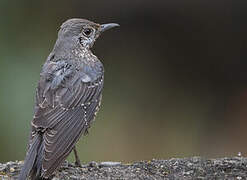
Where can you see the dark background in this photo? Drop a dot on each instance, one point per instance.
(175, 82)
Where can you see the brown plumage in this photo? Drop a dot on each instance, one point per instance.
(67, 97)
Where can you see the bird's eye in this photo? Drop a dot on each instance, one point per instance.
(87, 31)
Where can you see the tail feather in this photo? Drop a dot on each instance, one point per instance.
(35, 173)
(30, 158)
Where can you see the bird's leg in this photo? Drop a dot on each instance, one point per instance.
(77, 159)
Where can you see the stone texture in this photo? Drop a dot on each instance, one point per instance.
(186, 168)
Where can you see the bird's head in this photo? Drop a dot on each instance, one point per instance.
(82, 31)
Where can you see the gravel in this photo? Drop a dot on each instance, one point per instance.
(172, 169)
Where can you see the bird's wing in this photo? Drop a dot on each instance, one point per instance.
(67, 100)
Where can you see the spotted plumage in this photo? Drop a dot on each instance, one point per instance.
(68, 98)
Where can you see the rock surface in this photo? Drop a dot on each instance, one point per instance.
(186, 168)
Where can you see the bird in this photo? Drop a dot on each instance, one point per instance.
(68, 97)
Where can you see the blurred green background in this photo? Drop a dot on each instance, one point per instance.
(175, 82)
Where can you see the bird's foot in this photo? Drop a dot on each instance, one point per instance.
(78, 163)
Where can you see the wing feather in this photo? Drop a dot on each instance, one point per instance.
(64, 111)
(62, 142)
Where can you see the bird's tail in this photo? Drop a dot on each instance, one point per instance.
(32, 161)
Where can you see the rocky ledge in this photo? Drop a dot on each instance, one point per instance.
(185, 168)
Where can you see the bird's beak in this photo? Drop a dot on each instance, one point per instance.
(105, 27)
